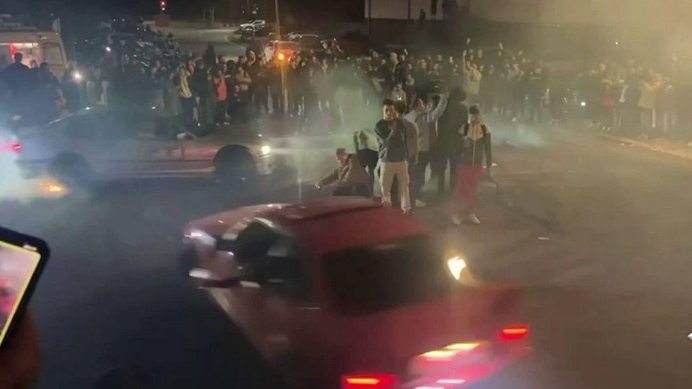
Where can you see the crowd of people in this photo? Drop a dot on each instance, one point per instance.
(331, 83)
(425, 101)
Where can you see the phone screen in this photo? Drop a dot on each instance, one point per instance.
(19, 265)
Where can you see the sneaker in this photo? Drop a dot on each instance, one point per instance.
(456, 220)
(420, 203)
(474, 219)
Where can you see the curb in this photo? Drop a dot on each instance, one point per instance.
(683, 154)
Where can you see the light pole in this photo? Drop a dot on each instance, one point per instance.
(278, 21)
(282, 64)
(369, 17)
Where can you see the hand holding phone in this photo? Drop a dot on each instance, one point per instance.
(20, 360)
(22, 259)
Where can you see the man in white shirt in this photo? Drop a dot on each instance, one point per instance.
(425, 119)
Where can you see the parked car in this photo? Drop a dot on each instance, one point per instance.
(253, 25)
(332, 299)
(353, 43)
(287, 48)
(108, 144)
(308, 42)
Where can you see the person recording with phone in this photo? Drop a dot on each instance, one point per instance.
(22, 259)
(20, 359)
(395, 139)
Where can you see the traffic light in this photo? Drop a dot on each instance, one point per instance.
(163, 5)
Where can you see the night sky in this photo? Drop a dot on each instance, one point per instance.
(333, 9)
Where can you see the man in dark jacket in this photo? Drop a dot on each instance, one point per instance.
(447, 146)
(17, 75)
(201, 86)
(209, 56)
(394, 150)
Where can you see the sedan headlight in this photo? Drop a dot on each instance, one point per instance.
(265, 150)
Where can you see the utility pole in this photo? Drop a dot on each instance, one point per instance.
(369, 17)
(278, 21)
(282, 64)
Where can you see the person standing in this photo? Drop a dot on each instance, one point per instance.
(221, 93)
(392, 135)
(201, 86)
(187, 100)
(411, 136)
(447, 146)
(70, 87)
(17, 75)
(426, 121)
(477, 147)
(49, 99)
(365, 152)
(647, 105)
(209, 56)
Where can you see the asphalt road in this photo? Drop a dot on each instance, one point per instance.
(597, 234)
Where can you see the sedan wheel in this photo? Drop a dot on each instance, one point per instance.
(235, 168)
(71, 170)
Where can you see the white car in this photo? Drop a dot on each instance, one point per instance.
(287, 48)
(292, 36)
(102, 143)
(253, 25)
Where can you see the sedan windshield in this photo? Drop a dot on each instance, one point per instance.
(388, 275)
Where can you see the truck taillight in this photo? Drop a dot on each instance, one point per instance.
(368, 381)
(16, 147)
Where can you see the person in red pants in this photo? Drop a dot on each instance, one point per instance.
(477, 148)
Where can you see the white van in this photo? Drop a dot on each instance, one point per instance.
(42, 46)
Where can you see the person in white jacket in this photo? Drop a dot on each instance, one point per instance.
(425, 117)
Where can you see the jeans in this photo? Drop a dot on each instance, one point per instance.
(220, 112)
(440, 167)
(187, 106)
(465, 194)
(417, 172)
(400, 171)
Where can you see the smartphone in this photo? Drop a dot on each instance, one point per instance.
(22, 258)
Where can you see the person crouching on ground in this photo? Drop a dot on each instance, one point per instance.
(477, 146)
(349, 178)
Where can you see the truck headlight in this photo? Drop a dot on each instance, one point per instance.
(265, 150)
